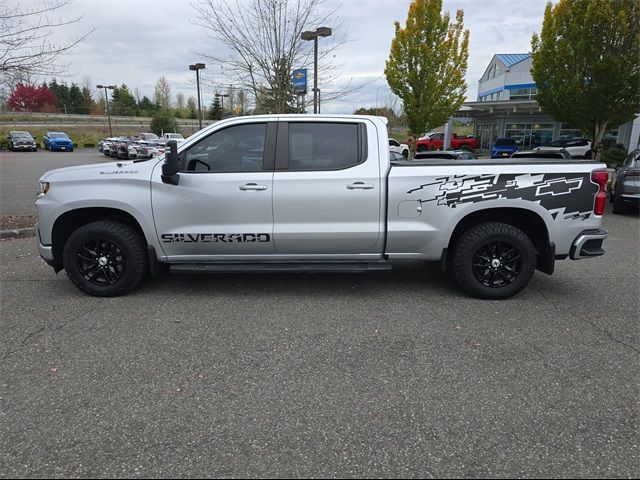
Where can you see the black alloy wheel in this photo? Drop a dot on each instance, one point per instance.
(497, 264)
(100, 262)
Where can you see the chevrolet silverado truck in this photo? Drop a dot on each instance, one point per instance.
(317, 193)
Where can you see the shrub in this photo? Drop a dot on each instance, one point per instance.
(163, 121)
(614, 155)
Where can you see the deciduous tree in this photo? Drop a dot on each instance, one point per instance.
(586, 64)
(427, 65)
(28, 98)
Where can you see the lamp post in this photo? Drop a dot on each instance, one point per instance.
(221, 97)
(197, 67)
(319, 32)
(106, 99)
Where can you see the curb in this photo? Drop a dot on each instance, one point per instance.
(18, 233)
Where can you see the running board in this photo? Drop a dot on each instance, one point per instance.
(353, 267)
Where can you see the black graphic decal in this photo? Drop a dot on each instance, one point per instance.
(215, 237)
(569, 194)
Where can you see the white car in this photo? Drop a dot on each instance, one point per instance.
(577, 147)
(173, 136)
(401, 148)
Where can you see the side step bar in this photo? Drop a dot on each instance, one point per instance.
(266, 267)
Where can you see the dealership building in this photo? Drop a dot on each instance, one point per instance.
(505, 107)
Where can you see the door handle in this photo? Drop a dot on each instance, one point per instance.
(252, 186)
(360, 186)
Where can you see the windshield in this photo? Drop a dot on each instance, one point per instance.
(21, 135)
(505, 142)
(58, 135)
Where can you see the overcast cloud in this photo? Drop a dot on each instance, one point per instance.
(137, 41)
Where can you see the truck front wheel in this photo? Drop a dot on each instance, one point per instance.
(105, 258)
(493, 260)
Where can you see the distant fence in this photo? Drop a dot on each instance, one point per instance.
(58, 120)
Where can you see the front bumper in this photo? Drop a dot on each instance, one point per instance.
(588, 244)
(61, 146)
(46, 251)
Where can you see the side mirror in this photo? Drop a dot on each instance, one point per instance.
(171, 164)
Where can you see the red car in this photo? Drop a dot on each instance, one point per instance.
(435, 141)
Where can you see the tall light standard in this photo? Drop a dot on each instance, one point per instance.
(106, 99)
(319, 32)
(197, 67)
(221, 97)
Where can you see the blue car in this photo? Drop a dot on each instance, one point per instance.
(57, 141)
(503, 148)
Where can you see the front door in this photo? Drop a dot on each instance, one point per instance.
(222, 206)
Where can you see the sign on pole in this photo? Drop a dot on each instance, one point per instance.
(299, 78)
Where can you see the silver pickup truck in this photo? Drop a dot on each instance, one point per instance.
(315, 193)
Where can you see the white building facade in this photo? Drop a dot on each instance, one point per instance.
(506, 107)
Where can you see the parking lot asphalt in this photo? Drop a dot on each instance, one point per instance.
(20, 171)
(374, 375)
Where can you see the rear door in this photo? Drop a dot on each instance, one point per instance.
(327, 189)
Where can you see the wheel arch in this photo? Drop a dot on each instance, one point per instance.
(528, 221)
(71, 220)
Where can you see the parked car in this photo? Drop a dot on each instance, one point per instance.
(147, 136)
(146, 149)
(21, 141)
(395, 156)
(542, 152)
(446, 155)
(435, 141)
(625, 183)
(401, 148)
(577, 147)
(57, 141)
(503, 148)
(126, 150)
(173, 136)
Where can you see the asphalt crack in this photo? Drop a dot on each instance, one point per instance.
(585, 320)
(47, 329)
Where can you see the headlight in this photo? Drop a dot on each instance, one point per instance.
(44, 188)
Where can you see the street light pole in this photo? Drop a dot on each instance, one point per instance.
(197, 67)
(319, 32)
(106, 99)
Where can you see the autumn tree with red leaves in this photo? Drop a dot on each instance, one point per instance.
(27, 98)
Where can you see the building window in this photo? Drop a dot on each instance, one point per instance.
(523, 93)
(530, 135)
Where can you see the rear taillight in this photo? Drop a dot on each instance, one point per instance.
(601, 177)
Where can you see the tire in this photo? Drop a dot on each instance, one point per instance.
(405, 153)
(105, 258)
(588, 155)
(504, 250)
(421, 148)
(618, 205)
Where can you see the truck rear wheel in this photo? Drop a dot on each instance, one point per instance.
(493, 260)
(105, 258)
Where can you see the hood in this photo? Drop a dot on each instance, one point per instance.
(106, 170)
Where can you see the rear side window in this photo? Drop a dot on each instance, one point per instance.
(324, 146)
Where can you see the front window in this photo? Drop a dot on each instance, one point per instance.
(239, 148)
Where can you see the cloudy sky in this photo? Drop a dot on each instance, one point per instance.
(137, 41)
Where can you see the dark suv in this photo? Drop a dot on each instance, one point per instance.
(625, 184)
(21, 141)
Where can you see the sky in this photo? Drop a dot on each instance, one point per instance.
(137, 41)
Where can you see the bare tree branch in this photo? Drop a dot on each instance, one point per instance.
(25, 46)
(262, 44)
